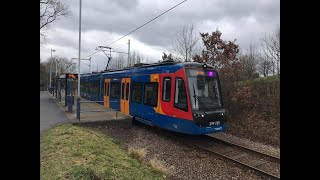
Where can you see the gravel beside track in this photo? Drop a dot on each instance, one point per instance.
(182, 161)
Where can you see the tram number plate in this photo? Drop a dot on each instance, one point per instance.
(214, 123)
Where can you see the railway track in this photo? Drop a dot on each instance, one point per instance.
(262, 163)
(257, 161)
(274, 158)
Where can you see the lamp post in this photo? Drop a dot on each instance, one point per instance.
(50, 69)
(56, 67)
(79, 50)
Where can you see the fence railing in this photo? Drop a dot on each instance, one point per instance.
(92, 110)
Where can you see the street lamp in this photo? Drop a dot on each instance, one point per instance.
(79, 95)
(56, 67)
(50, 68)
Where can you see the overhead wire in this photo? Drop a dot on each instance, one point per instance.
(142, 25)
(148, 22)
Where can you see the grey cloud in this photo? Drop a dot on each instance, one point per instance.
(122, 16)
(125, 4)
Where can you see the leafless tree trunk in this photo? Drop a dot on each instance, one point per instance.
(138, 58)
(250, 61)
(271, 49)
(44, 73)
(264, 65)
(184, 46)
(133, 58)
(50, 11)
(120, 61)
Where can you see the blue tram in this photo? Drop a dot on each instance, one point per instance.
(183, 97)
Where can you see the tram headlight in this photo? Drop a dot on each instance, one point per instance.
(196, 115)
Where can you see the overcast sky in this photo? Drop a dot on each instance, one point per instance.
(104, 21)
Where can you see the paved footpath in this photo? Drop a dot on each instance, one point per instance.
(50, 113)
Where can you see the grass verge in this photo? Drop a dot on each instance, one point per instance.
(72, 152)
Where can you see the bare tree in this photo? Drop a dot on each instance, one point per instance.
(50, 11)
(250, 61)
(114, 63)
(148, 60)
(138, 58)
(63, 65)
(44, 75)
(184, 46)
(133, 58)
(264, 65)
(120, 61)
(271, 49)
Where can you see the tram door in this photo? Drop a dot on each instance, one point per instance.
(106, 95)
(125, 95)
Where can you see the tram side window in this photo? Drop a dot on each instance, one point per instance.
(127, 91)
(93, 84)
(166, 91)
(96, 87)
(180, 97)
(151, 94)
(106, 93)
(136, 96)
(87, 87)
(122, 91)
(115, 88)
(93, 87)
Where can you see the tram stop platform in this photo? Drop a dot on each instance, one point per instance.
(86, 116)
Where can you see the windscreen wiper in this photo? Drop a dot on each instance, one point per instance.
(197, 98)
